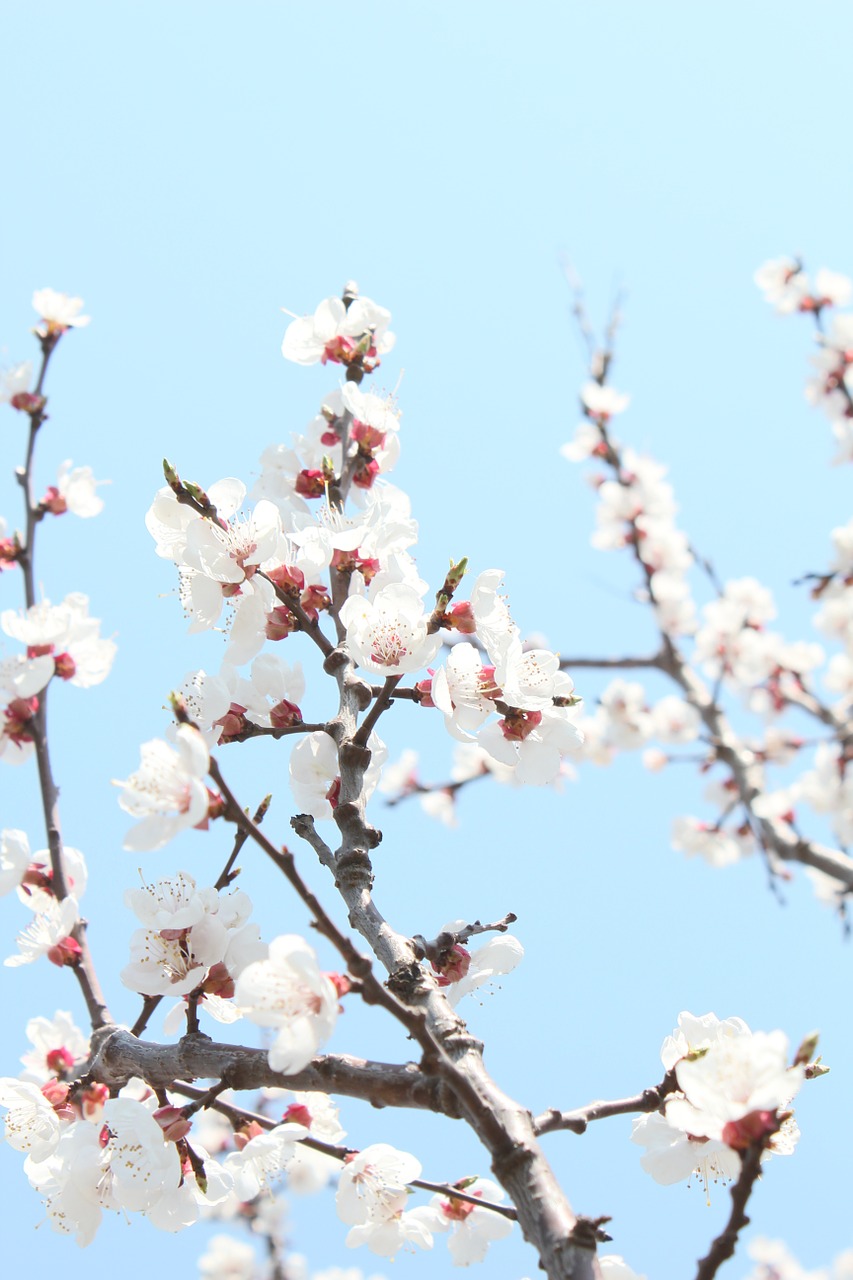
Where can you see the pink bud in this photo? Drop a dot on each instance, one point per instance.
(65, 666)
(310, 483)
(297, 1113)
(285, 714)
(173, 1122)
(454, 965)
(219, 982)
(518, 725)
(54, 502)
(287, 578)
(340, 982)
(59, 1060)
(461, 618)
(27, 402)
(244, 1135)
(65, 952)
(366, 474)
(741, 1134)
(280, 623)
(92, 1100)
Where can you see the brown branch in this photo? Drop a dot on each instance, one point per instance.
(238, 1115)
(578, 1120)
(725, 1243)
(120, 1055)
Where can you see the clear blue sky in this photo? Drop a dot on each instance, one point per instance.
(191, 168)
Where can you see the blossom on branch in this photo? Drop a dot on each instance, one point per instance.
(167, 792)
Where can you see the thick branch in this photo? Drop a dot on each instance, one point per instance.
(121, 1056)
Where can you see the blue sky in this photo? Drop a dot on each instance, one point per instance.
(189, 170)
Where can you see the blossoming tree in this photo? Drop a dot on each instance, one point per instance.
(205, 1122)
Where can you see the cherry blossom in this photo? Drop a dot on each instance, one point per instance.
(14, 859)
(388, 634)
(335, 331)
(472, 1228)
(228, 1259)
(287, 991)
(167, 792)
(75, 492)
(31, 1123)
(57, 1044)
(372, 1196)
(58, 311)
(46, 934)
(61, 640)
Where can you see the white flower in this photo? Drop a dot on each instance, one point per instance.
(67, 641)
(334, 330)
(289, 992)
(472, 1228)
(783, 283)
(14, 859)
(263, 1159)
(314, 777)
(734, 1077)
(32, 1125)
(47, 930)
(496, 957)
(58, 311)
(372, 1199)
(673, 1156)
(14, 380)
(695, 1033)
(76, 486)
(388, 634)
(603, 402)
(614, 1267)
(57, 1044)
(167, 792)
(228, 1259)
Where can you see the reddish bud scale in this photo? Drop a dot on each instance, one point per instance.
(59, 1060)
(298, 1113)
(39, 650)
(9, 552)
(424, 689)
(310, 484)
(340, 982)
(368, 437)
(54, 502)
(232, 723)
(461, 619)
(244, 1135)
(518, 725)
(287, 578)
(173, 1122)
(280, 623)
(457, 1210)
(91, 1100)
(453, 966)
(313, 599)
(741, 1134)
(285, 715)
(219, 982)
(65, 952)
(28, 402)
(18, 716)
(366, 474)
(334, 792)
(215, 807)
(338, 351)
(65, 667)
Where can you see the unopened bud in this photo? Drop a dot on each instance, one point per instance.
(173, 1122)
(806, 1051)
(65, 952)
